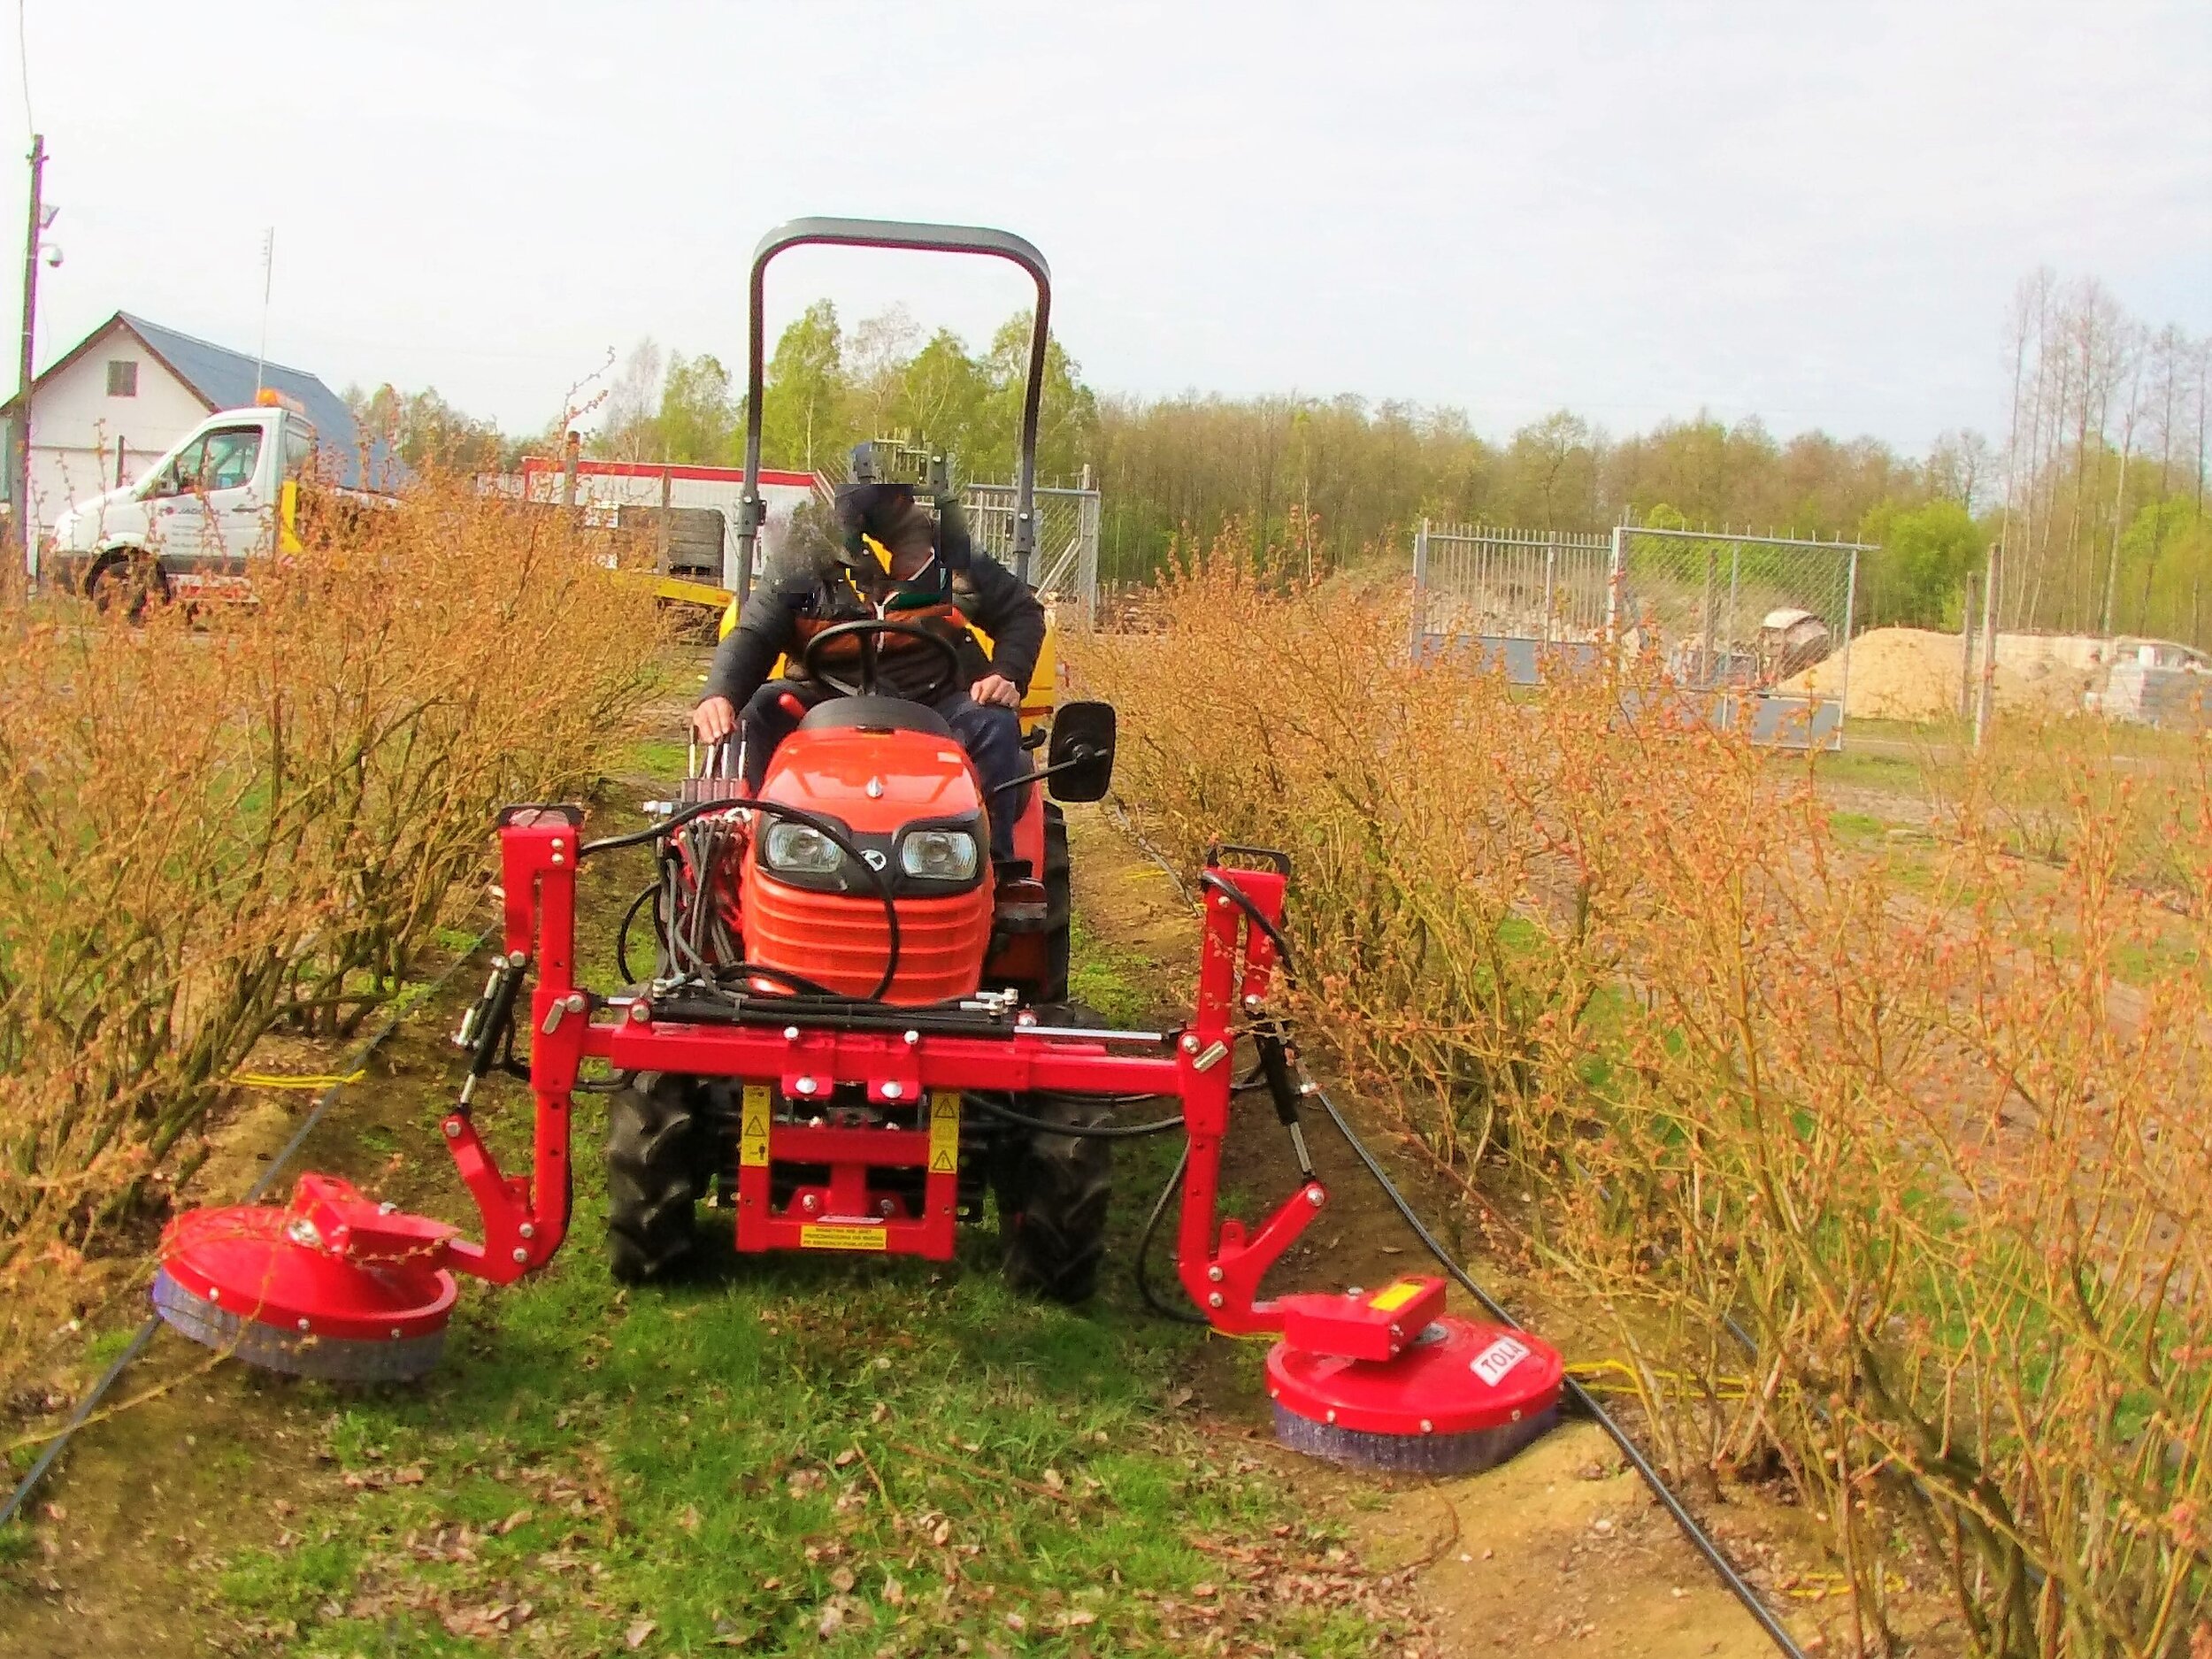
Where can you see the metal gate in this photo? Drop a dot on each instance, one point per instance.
(1066, 566)
(1756, 629)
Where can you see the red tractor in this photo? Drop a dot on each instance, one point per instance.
(842, 1044)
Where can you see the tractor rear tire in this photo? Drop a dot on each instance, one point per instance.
(655, 1140)
(1054, 1189)
(1059, 905)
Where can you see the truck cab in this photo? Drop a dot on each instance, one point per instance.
(191, 525)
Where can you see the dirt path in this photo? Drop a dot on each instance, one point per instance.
(1562, 1545)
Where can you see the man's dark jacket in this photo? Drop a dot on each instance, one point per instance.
(809, 589)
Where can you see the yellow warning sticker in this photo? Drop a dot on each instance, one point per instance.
(944, 1132)
(752, 1128)
(821, 1238)
(1393, 1297)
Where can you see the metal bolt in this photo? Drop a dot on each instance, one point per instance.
(1214, 1273)
(574, 1003)
(1252, 1000)
(386, 1207)
(913, 1038)
(398, 1333)
(559, 843)
(1427, 1427)
(521, 1255)
(1316, 1196)
(215, 1292)
(529, 1231)
(1397, 1331)
(519, 959)
(452, 1130)
(1355, 1291)
(1214, 1301)
(791, 1034)
(640, 1013)
(886, 1208)
(302, 1324)
(1516, 1414)
(809, 1203)
(1331, 1415)
(805, 1086)
(892, 1091)
(1189, 1044)
(557, 861)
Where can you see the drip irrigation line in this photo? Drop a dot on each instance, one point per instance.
(1584, 1399)
(352, 1062)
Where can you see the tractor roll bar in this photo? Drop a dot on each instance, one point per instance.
(883, 232)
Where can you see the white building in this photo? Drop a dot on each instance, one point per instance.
(119, 399)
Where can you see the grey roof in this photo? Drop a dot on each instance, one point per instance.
(226, 379)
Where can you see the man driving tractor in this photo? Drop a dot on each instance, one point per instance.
(892, 560)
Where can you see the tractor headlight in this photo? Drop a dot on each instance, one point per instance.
(939, 854)
(801, 850)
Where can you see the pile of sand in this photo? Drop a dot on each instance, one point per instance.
(1914, 674)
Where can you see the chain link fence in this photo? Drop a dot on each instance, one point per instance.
(1734, 622)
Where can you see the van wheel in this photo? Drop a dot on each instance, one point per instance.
(124, 584)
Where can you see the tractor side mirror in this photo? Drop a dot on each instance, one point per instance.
(1081, 760)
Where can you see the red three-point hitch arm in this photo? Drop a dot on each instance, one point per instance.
(525, 1218)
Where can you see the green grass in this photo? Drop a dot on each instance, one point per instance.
(654, 758)
(1104, 978)
(793, 1454)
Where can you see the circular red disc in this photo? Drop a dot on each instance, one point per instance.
(1456, 1378)
(239, 1258)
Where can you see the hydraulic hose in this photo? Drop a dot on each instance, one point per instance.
(1142, 1269)
(1080, 1131)
(1583, 1401)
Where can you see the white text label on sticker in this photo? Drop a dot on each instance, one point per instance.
(1499, 1357)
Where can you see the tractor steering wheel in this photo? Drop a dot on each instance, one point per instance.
(865, 632)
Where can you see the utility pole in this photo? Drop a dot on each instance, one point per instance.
(19, 463)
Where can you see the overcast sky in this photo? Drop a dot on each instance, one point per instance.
(1815, 214)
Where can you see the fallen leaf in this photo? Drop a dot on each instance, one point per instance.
(894, 1592)
(410, 1475)
(508, 1526)
(842, 1580)
(833, 1620)
(689, 1519)
(844, 1459)
(1015, 1622)
(1055, 1480)
(634, 1637)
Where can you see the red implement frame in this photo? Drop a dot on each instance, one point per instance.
(526, 1218)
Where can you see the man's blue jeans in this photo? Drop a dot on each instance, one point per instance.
(992, 736)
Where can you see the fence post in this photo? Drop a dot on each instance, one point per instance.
(1843, 678)
(660, 539)
(1966, 646)
(1615, 579)
(572, 451)
(1420, 588)
(1989, 643)
(1551, 582)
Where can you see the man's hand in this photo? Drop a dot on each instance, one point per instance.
(993, 691)
(714, 719)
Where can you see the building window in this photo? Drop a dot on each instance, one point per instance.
(122, 378)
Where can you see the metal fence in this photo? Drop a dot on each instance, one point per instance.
(1746, 628)
(1065, 568)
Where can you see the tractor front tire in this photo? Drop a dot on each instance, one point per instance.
(655, 1137)
(1053, 1191)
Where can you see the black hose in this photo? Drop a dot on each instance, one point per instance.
(1080, 1131)
(676, 820)
(1178, 1316)
(622, 934)
(1583, 1401)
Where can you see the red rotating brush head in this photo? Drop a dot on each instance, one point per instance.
(332, 1285)
(1457, 1396)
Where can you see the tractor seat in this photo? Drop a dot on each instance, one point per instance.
(875, 714)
